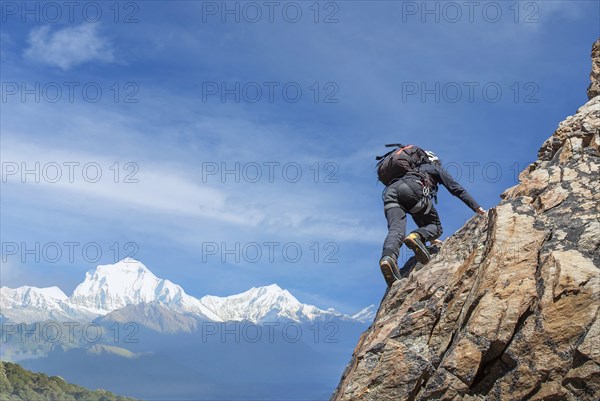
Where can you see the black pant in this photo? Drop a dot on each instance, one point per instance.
(398, 198)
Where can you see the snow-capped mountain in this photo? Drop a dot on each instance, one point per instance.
(129, 282)
(31, 304)
(270, 303)
(42, 298)
(365, 315)
(125, 284)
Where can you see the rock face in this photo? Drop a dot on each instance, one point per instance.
(594, 89)
(508, 309)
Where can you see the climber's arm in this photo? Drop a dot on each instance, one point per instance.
(457, 190)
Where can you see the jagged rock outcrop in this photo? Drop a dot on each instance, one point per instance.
(508, 309)
(594, 88)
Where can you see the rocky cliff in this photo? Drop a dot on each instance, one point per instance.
(508, 308)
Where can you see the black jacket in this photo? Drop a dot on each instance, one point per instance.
(437, 175)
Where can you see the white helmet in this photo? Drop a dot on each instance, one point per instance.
(432, 156)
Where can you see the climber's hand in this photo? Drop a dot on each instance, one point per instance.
(480, 211)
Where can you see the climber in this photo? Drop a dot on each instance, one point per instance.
(412, 176)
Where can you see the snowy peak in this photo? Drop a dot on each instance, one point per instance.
(110, 287)
(34, 297)
(263, 304)
(121, 274)
(129, 282)
(267, 295)
(365, 315)
(31, 304)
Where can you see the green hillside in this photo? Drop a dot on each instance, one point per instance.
(18, 384)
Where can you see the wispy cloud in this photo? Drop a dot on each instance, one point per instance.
(171, 192)
(68, 47)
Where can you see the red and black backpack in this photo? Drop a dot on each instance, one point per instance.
(396, 163)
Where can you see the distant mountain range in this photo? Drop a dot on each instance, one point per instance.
(157, 342)
(112, 287)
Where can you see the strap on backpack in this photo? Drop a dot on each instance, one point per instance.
(390, 145)
(426, 185)
(379, 158)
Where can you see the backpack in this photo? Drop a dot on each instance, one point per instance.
(396, 163)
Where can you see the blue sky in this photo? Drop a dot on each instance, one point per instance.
(361, 75)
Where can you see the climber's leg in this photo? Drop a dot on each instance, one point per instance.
(430, 226)
(396, 223)
(429, 229)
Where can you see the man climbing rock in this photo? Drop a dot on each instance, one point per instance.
(412, 176)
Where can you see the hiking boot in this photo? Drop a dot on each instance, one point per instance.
(414, 242)
(389, 269)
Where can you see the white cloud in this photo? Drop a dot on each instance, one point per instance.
(171, 192)
(68, 47)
